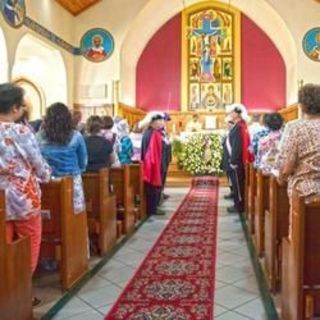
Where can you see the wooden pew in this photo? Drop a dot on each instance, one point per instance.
(300, 297)
(101, 209)
(246, 190)
(136, 180)
(251, 197)
(65, 234)
(120, 180)
(276, 227)
(261, 205)
(15, 274)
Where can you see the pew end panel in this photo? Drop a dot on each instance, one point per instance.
(246, 190)
(251, 197)
(65, 234)
(16, 274)
(261, 205)
(123, 190)
(136, 180)
(301, 262)
(276, 228)
(101, 209)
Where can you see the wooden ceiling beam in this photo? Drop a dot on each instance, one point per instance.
(76, 7)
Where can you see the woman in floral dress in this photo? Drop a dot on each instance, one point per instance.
(300, 148)
(21, 169)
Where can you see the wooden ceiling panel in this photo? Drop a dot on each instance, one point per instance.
(77, 6)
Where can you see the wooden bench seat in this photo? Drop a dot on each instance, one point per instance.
(276, 227)
(261, 205)
(101, 210)
(15, 274)
(300, 296)
(65, 234)
(122, 188)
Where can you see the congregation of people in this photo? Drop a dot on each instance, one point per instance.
(60, 145)
(289, 151)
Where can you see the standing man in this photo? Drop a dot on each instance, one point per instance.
(237, 144)
(152, 158)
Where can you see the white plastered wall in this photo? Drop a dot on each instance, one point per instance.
(51, 15)
(43, 65)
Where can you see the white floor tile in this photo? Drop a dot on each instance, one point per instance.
(231, 297)
(73, 307)
(231, 316)
(102, 296)
(254, 310)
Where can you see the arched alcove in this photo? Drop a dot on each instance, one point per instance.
(43, 66)
(143, 28)
(3, 58)
(35, 97)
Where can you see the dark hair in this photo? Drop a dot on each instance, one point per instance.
(275, 121)
(156, 117)
(256, 117)
(76, 118)
(58, 124)
(265, 119)
(10, 96)
(107, 122)
(94, 124)
(136, 128)
(309, 99)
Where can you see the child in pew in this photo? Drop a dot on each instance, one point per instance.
(100, 150)
(64, 148)
(107, 133)
(268, 145)
(136, 138)
(126, 147)
(21, 168)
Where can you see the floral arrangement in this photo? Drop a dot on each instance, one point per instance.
(201, 154)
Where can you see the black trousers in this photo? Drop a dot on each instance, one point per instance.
(152, 197)
(238, 183)
(229, 177)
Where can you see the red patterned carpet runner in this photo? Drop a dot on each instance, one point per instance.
(176, 279)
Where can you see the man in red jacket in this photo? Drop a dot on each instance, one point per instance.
(152, 156)
(237, 144)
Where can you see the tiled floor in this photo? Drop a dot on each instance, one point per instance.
(236, 296)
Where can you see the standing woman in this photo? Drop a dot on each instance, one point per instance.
(64, 148)
(300, 147)
(21, 168)
(152, 155)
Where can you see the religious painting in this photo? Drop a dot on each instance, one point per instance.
(97, 45)
(194, 96)
(211, 96)
(194, 69)
(227, 97)
(227, 69)
(311, 44)
(210, 53)
(14, 12)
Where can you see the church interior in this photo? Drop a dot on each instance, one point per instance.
(159, 159)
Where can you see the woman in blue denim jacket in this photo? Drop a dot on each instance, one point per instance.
(64, 149)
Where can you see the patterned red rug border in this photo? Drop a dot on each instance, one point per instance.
(196, 182)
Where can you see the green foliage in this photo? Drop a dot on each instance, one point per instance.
(201, 154)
